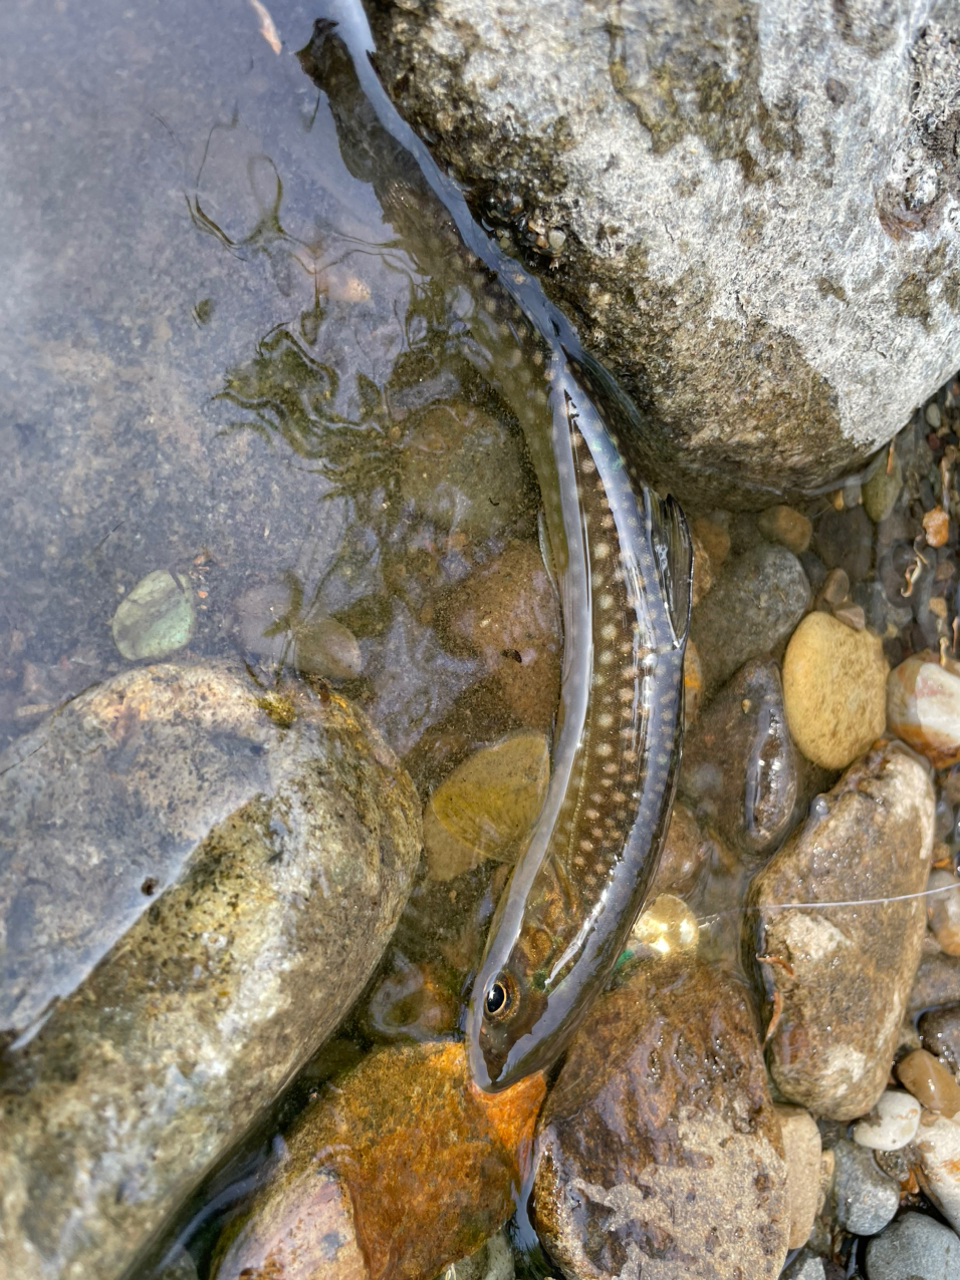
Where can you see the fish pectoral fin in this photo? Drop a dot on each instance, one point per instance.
(674, 561)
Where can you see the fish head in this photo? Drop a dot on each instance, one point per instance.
(503, 1014)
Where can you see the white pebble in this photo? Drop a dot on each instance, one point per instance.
(938, 1142)
(891, 1124)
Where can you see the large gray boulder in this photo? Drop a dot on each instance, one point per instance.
(750, 210)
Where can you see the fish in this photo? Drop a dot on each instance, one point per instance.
(623, 562)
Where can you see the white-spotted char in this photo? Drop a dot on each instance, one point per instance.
(622, 559)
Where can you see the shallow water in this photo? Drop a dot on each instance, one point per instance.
(215, 358)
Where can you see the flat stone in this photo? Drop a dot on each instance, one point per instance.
(803, 1150)
(659, 1152)
(840, 976)
(218, 875)
(157, 618)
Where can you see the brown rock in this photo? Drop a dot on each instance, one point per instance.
(685, 851)
(787, 526)
(837, 978)
(659, 1152)
(405, 1158)
(740, 767)
(509, 614)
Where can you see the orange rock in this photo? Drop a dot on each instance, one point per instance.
(404, 1167)
(936, 525)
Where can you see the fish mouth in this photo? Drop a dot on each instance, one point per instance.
(485, 1057)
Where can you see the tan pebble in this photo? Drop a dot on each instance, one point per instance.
(487, 807)
(790, 528)
(834, 690)
(803, 1150)
(714, 538)
(923, 707)
(936, 525)
(930, 1082)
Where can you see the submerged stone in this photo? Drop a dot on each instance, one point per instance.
(216, 876)
(836, 975)
(659, 1152)
(157, 618)
(400, 1169)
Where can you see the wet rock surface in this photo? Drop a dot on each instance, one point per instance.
(914, 1245)
(751, 137)
(834, 686)
(399, 1170)
(740, 766)
(837, 979)
(659, 1152)
(245, 958)
(757, 600)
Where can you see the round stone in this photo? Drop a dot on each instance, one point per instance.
(157, 618)
(834, 689)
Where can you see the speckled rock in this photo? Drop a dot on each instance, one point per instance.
(864, 1198)
(678, 1181)
(406, 1166)
(914, 1245)
(236, 863)
(837, 978)
(711, 188)
(834, 689)
(758, 599)
(740, 766)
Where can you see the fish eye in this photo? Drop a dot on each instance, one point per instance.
(499, 1000)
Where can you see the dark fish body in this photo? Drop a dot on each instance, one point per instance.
(623, 566)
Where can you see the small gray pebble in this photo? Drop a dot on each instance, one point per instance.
(805, 1266)
(866, 1198)
(914, 1246)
